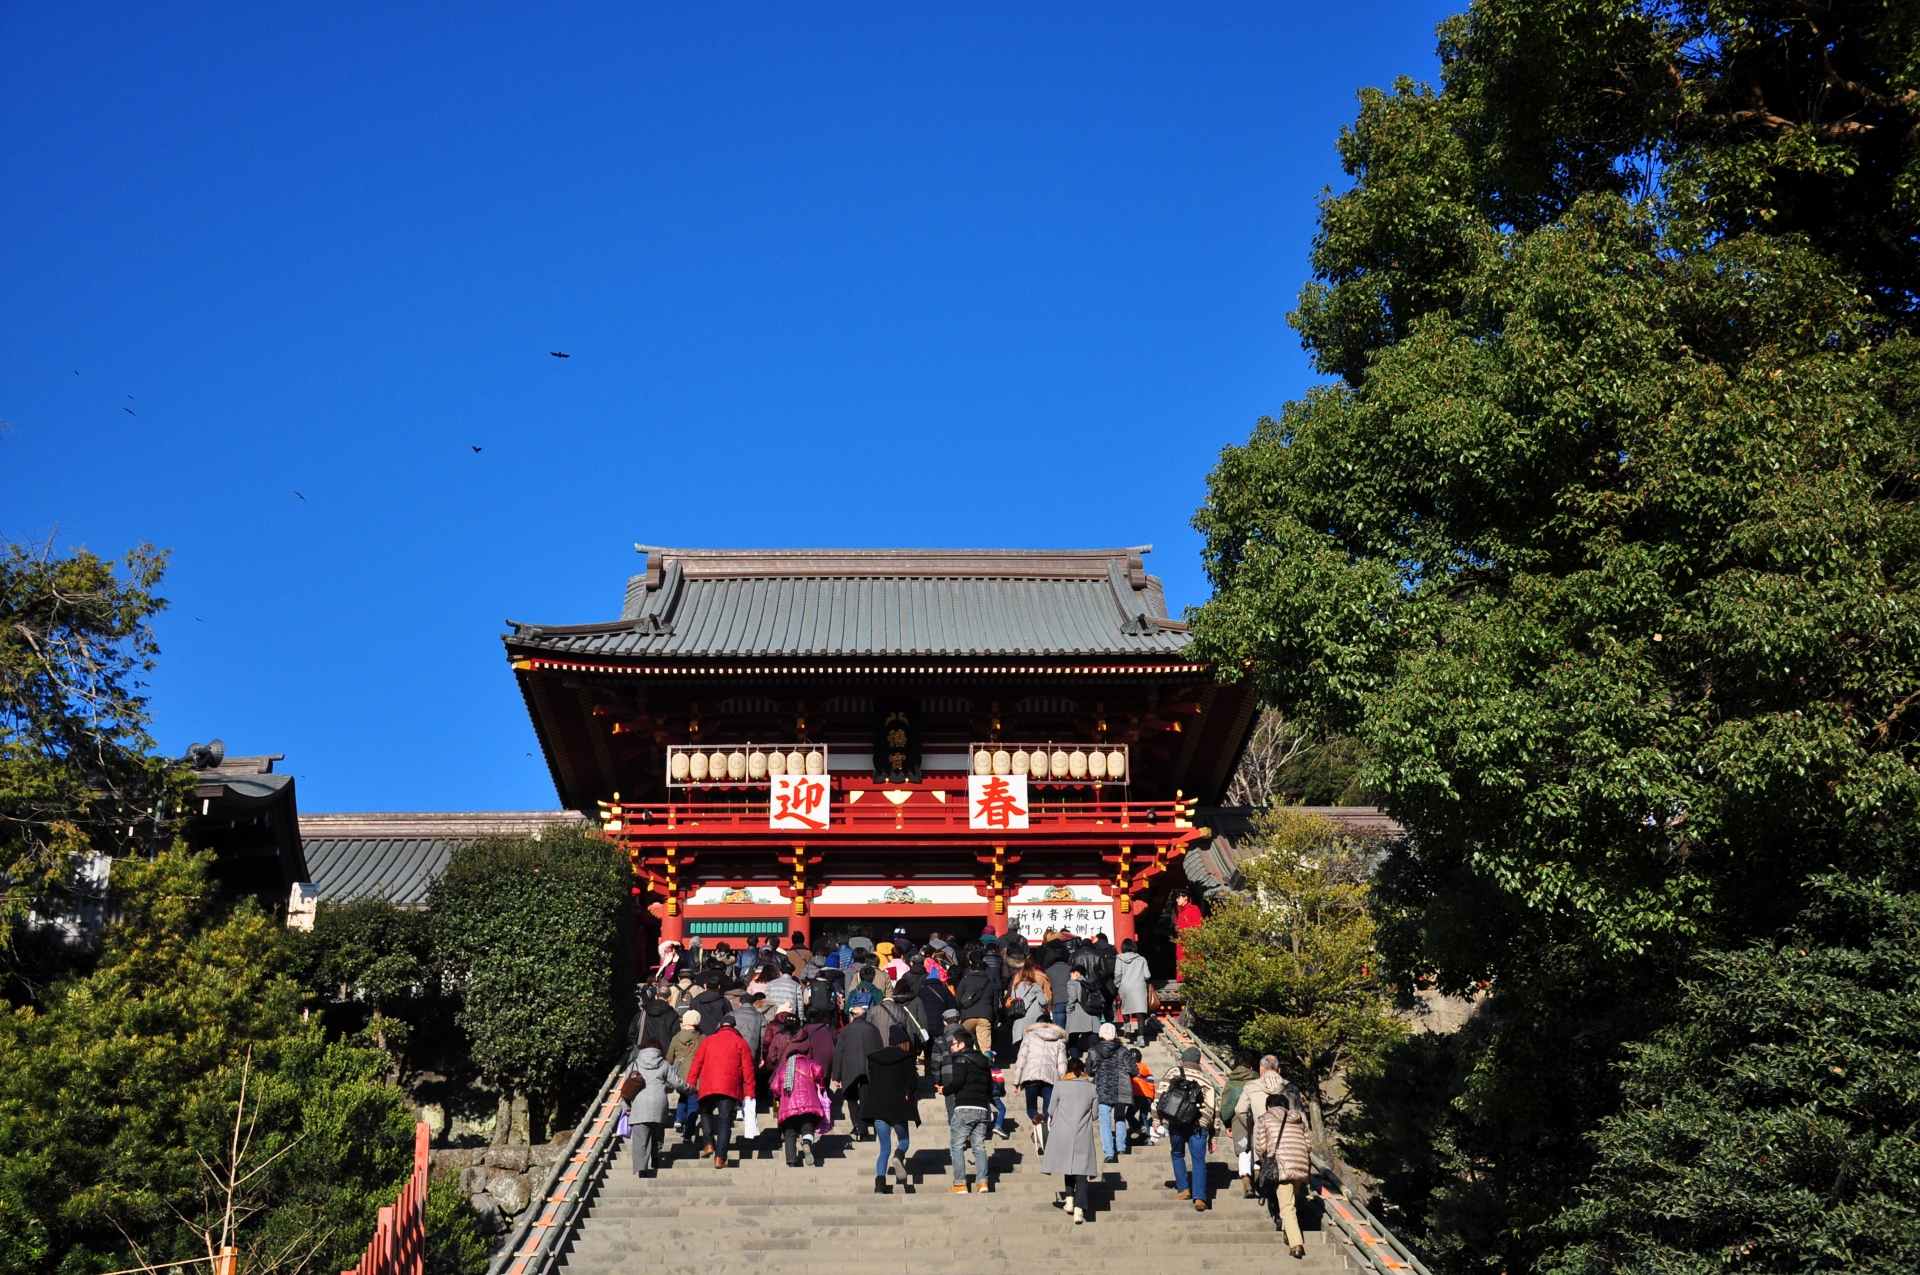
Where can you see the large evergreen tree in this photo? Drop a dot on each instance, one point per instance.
(1603, 544)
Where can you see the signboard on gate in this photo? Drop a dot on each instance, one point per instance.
(798, 803)
(996, 801)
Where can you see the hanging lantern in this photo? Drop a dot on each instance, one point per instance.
(717, 766)
(1037, 763)
(1020, 760)
(677, 767)
(736, 765)
(983, 761)
(1096, 765)
(776, 762)
(756, 765)
(1077, 764)
(1002, 762)
(1057, 764)
(816, 763)
(1116, 765)
(696, 766)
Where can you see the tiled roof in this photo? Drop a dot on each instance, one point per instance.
(397, 855)
(880, 602)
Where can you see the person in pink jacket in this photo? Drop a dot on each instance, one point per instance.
(805, 1108)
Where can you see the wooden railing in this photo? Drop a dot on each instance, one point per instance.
(399, 1244)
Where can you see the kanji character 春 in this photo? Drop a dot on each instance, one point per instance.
(997, 807)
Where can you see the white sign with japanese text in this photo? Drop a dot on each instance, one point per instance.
(1083, 919)
(996, 801)
(799, 803)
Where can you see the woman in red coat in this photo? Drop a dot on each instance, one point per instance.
(722, 1074)
(1186, 916)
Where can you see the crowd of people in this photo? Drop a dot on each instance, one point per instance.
(845, 1031)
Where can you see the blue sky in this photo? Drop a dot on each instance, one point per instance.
(847, 275)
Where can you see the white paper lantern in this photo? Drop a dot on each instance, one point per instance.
(1116, 765)
(776, 762)
(1077, 764)
(1096, 765)
(1020, 760)
(983, 762)
(1058, 763)
(816, 763)
(696, 766)
(736, 765)
(756, 765)
(677, 767)
(717, 766)
(1002, 762)
(1037, 763)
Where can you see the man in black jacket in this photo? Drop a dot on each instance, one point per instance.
(711, 1004)
(975, 998)
(970, 1087)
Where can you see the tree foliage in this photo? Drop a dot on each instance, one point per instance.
(378, 954)
(536, 936)
(1775, 1124)
(119, 1094)
(77, 770)
(1603, 545)
(1287, 960)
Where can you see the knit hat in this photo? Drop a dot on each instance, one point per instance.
(1189, 1056)
(1106, 1031)
(884, 949)
(896, 1035)
(950, 1016)
(726, 1020)
(690, 1019)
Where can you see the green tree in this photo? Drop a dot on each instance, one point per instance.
(119, 1096)
(77, 771)
(374, 953)
(536, 937)
(454, 1243)
(1775, 1124)
(1602, 546)
(1287, 963)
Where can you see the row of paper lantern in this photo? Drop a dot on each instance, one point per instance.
(1059, 764)
(723, 767)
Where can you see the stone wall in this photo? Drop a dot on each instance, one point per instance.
(499, 1181)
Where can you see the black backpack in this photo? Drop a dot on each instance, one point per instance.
(820, 997)
(1179, 1103)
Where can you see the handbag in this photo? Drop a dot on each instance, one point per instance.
(630, 1085)
(1153, 999)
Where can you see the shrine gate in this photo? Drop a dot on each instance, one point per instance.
(799, 739)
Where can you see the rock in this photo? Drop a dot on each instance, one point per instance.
(512, 1159)
(473, 1179)
(435, 1116)
(545, 1154)
(510, 1191)
(491, 1221)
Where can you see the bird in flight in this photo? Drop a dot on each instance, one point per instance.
(129, 411)
(76, 371)
(558, 355)
(298, 494)
(475, 448)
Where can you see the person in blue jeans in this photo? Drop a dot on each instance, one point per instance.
(891, 1101)
(1185, 1092)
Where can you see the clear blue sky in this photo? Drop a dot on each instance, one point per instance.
(843, 275)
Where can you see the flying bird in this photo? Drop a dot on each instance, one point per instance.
(558, 355)
(129, 411)
(76, 371)
(475, 448)
(298, 494)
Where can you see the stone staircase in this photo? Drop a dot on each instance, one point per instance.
(757, 1215)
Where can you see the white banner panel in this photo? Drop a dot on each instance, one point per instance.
(996, 801)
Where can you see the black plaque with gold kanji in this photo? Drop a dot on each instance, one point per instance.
(896, 741)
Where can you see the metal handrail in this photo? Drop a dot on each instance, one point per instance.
(565, 1188)
(1362, 1231)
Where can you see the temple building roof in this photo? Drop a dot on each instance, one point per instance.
(839, 602)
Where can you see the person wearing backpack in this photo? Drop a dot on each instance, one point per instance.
(974, 998)
(891, 1102)
(1083, 1008)
(1282, 1148)
(660, 1087)
(823, 998)
(1251, 1105)
(865, 991)
(848, 1074)
(1186, 1107)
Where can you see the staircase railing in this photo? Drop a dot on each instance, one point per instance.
(399, 1243)
(536, 1242)
(1373, 1245)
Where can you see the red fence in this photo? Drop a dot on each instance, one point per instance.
(399, 1241)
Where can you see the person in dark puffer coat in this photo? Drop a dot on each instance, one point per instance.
(1113, 1066)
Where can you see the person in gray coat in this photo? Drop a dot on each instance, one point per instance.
(1133, 978)
(647, 1111)
(1081, 1021)
(1073, 1146)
